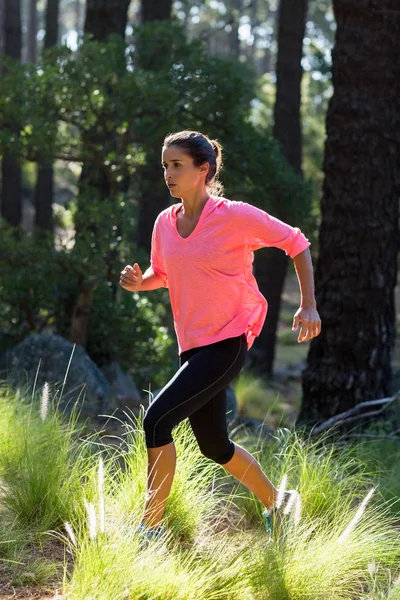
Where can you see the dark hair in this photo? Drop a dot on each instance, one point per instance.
(201, 149)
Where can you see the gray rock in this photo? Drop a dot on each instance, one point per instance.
(48, 355)
(123, 391)
(244, 426)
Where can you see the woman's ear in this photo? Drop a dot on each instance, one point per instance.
(204, 167)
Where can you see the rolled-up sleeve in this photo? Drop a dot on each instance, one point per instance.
(156, 257)
(262, 230)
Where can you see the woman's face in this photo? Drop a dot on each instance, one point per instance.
(181, 176)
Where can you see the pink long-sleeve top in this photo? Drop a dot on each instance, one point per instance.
(213, 292)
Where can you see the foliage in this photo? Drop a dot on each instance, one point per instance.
(114, 118)
(111, 113)
(123, 327)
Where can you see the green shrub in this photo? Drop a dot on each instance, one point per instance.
(40, 285)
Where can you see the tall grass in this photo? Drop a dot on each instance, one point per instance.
(42, 463)
(330, 479)
(343, 545)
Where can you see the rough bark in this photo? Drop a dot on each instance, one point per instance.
(270, 265)
(11, 200)
(350, 361)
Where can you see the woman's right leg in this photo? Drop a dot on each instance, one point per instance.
(160, 475)
(206, 371)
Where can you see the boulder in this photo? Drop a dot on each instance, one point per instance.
(123, 390)
(47, 356)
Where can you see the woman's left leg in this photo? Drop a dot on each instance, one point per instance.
(210, 429)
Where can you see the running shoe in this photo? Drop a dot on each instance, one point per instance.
(275, 517)
(147, 533)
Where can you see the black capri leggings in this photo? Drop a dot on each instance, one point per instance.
(198, 391)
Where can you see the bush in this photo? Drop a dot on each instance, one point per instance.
(38, 290)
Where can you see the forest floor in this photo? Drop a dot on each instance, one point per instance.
(289, 353)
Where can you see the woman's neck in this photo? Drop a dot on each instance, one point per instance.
(192, 207)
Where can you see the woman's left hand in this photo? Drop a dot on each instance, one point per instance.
(310, 323)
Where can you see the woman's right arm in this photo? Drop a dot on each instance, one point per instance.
(150, 281)
(133, 280)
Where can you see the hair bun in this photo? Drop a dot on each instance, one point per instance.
(218, 151)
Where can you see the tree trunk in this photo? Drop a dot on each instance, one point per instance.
(234, 7)
(78, 18)
(287, 122)
(153, 196)
(270, 265)
(44, 185)
(11, 201)
(31, 52)
(80, 316)
(350, 361)
(104, 17)
(152, 10)
(2, 16)
(52, 13)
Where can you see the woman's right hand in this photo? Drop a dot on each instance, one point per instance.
(131, 278)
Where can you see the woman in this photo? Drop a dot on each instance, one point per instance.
(202, 251)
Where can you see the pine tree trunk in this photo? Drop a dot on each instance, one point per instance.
(44, 185)
(350, 361)
(2, 17)
(52, 13)
(31, 53)
(152, 10)
(104, 17)
(11, 200)
(234, 7)
(154, 195)
(271, 264)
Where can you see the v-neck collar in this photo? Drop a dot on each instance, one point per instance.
(175, 209)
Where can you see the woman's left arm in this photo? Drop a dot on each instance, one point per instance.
(307, 314)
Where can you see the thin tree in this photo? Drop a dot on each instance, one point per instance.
(44, 191)
(350, 361)
(31, 46)
(154, 10)
(234, 8)
(153, 197)
(103, 18)
(271, 264)
(11, 200)
(2, 16)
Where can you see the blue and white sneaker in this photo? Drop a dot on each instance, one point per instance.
(147, 534)
(275, 517)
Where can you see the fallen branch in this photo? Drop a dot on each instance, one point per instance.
(392, 436)
(351, 414)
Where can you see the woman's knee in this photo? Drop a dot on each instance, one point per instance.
(157, 432)
(221, 453)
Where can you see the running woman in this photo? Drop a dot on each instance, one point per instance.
(202, 250)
